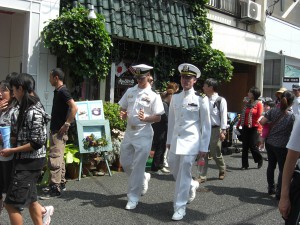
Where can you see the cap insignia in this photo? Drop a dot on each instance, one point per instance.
(138, 71)
(185, 68)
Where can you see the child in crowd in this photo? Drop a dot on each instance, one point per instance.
(6, 109)
(269, 104)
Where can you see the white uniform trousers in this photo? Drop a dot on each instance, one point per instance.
(135, 150)
(181, 168)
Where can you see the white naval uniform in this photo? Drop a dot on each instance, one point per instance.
(136, 145)
(189, 130)
(296, 106)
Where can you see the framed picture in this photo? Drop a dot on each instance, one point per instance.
(90, 110)
(96, 110)
(92, 134)
(83, 111)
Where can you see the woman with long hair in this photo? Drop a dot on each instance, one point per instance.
(281, 121)
(6, 110)
(28, 128)
(251, 128)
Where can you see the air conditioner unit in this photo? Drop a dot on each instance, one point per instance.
(250, 11)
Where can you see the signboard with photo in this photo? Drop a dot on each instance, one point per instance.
(93, 130)
(90, 110)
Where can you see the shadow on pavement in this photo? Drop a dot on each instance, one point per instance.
(246, 195)
(160, 211)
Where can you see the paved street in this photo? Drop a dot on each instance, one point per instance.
(239, 199)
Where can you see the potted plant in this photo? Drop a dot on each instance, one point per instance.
(72, 160)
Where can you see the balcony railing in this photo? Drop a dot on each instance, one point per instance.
(229, 6)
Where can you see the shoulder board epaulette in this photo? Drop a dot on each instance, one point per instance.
(201, 94)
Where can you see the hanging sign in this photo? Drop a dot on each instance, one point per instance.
(125, 82)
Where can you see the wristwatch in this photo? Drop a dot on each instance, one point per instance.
(67, 124)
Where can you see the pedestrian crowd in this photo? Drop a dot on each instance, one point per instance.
(23, 128)
(181, 126)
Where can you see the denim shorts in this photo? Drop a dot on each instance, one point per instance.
(22, 190)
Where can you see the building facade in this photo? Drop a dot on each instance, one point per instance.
(164, 24)
(21, 23)
(148, 26)
(240, 34)
(282, 57)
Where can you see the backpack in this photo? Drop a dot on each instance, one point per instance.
(218, 102)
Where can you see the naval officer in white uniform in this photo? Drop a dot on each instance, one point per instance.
(189, 131)
(141, 107)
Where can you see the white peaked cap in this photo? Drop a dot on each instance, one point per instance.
(189, 70)
(141, 70)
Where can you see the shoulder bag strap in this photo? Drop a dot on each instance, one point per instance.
(276, 121)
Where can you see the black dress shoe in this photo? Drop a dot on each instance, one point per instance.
(271, 191)
(244, 168)
(259, 164)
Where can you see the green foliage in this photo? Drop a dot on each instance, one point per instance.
(112, 113)
(71, 154)
(211, 62)
(164, 70)
(165, 66)
(200, 22)
(82, 44)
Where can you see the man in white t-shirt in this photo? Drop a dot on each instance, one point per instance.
(287, 209)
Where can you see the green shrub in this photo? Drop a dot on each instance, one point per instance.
(112, 113)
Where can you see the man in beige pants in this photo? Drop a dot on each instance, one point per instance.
(218, 116)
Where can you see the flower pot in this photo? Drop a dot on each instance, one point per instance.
(72, 170)
(117, 165)
(102, 167)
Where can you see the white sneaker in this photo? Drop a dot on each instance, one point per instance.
(178, 214)
(165, 170)
(131, 205)
(47, 215)
(162, 171)
(194, 187)
(46, 189)
(145, 184)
